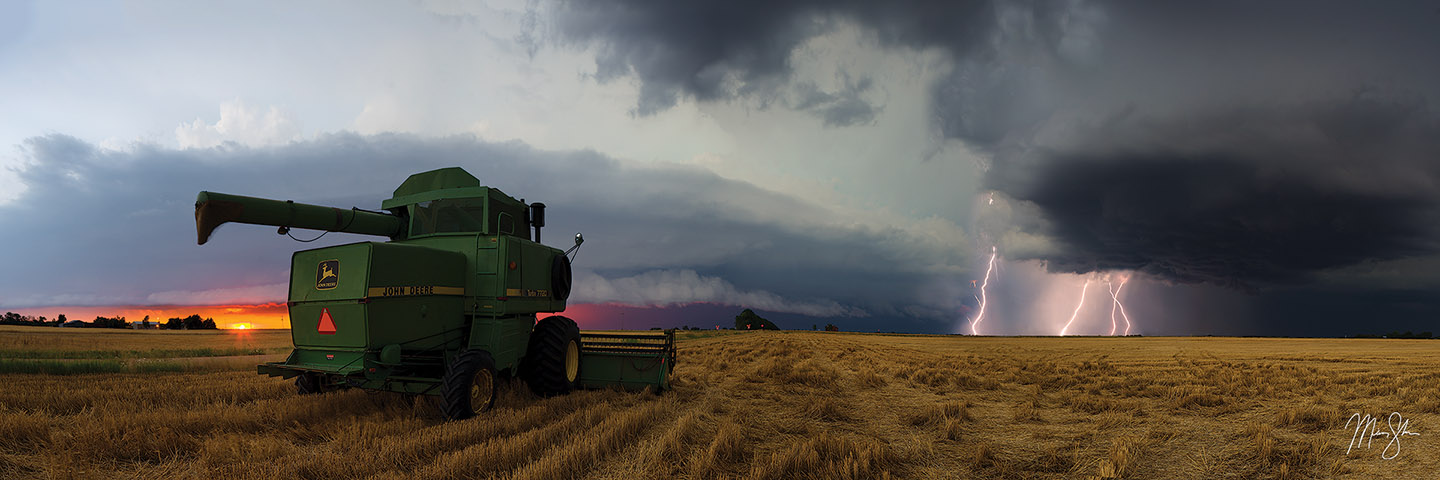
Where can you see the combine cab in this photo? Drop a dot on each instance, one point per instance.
(447, 306)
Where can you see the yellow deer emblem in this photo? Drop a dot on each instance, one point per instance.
(328, 276)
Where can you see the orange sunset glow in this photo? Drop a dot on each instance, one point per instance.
(265, 315)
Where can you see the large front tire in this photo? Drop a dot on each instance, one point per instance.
(470, 385)
(552, 362)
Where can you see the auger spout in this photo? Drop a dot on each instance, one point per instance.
(214, 209)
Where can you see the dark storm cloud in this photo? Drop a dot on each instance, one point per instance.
(1243, 197)
(1238, 146)
(105, 227)
(723, 50)
(1219, 220)
(705, 50)
(1232, 143)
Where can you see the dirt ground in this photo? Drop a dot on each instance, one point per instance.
(752, 405)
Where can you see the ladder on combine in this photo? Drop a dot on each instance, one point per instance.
(632, 360)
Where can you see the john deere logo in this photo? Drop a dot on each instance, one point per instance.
(328, 275)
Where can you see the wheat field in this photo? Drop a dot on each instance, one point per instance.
(745, 405)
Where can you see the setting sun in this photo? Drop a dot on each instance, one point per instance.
(240, 326)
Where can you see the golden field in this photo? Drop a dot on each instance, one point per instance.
(745, 405)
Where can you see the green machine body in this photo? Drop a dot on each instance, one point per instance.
(446, 306)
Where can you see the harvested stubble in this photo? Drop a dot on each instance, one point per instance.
(763, 405)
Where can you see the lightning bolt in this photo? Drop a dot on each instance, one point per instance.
(1116, 303)
(1116, 295)
(981, 315)
(1077, 308)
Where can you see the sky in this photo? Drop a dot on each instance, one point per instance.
(1216, 168)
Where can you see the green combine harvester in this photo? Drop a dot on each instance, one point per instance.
(446, 306)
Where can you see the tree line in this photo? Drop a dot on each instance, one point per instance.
(1405, 334)
(749, 320)
(192, 322)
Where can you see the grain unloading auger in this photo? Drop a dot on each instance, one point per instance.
(445, 307)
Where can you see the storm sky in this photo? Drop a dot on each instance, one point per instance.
(1251, 169)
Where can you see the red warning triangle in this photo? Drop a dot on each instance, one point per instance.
(327, 325)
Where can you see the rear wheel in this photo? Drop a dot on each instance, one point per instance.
(310, 384)
(469, 385)
(552, 362)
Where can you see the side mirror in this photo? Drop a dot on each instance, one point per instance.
(579, 239)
